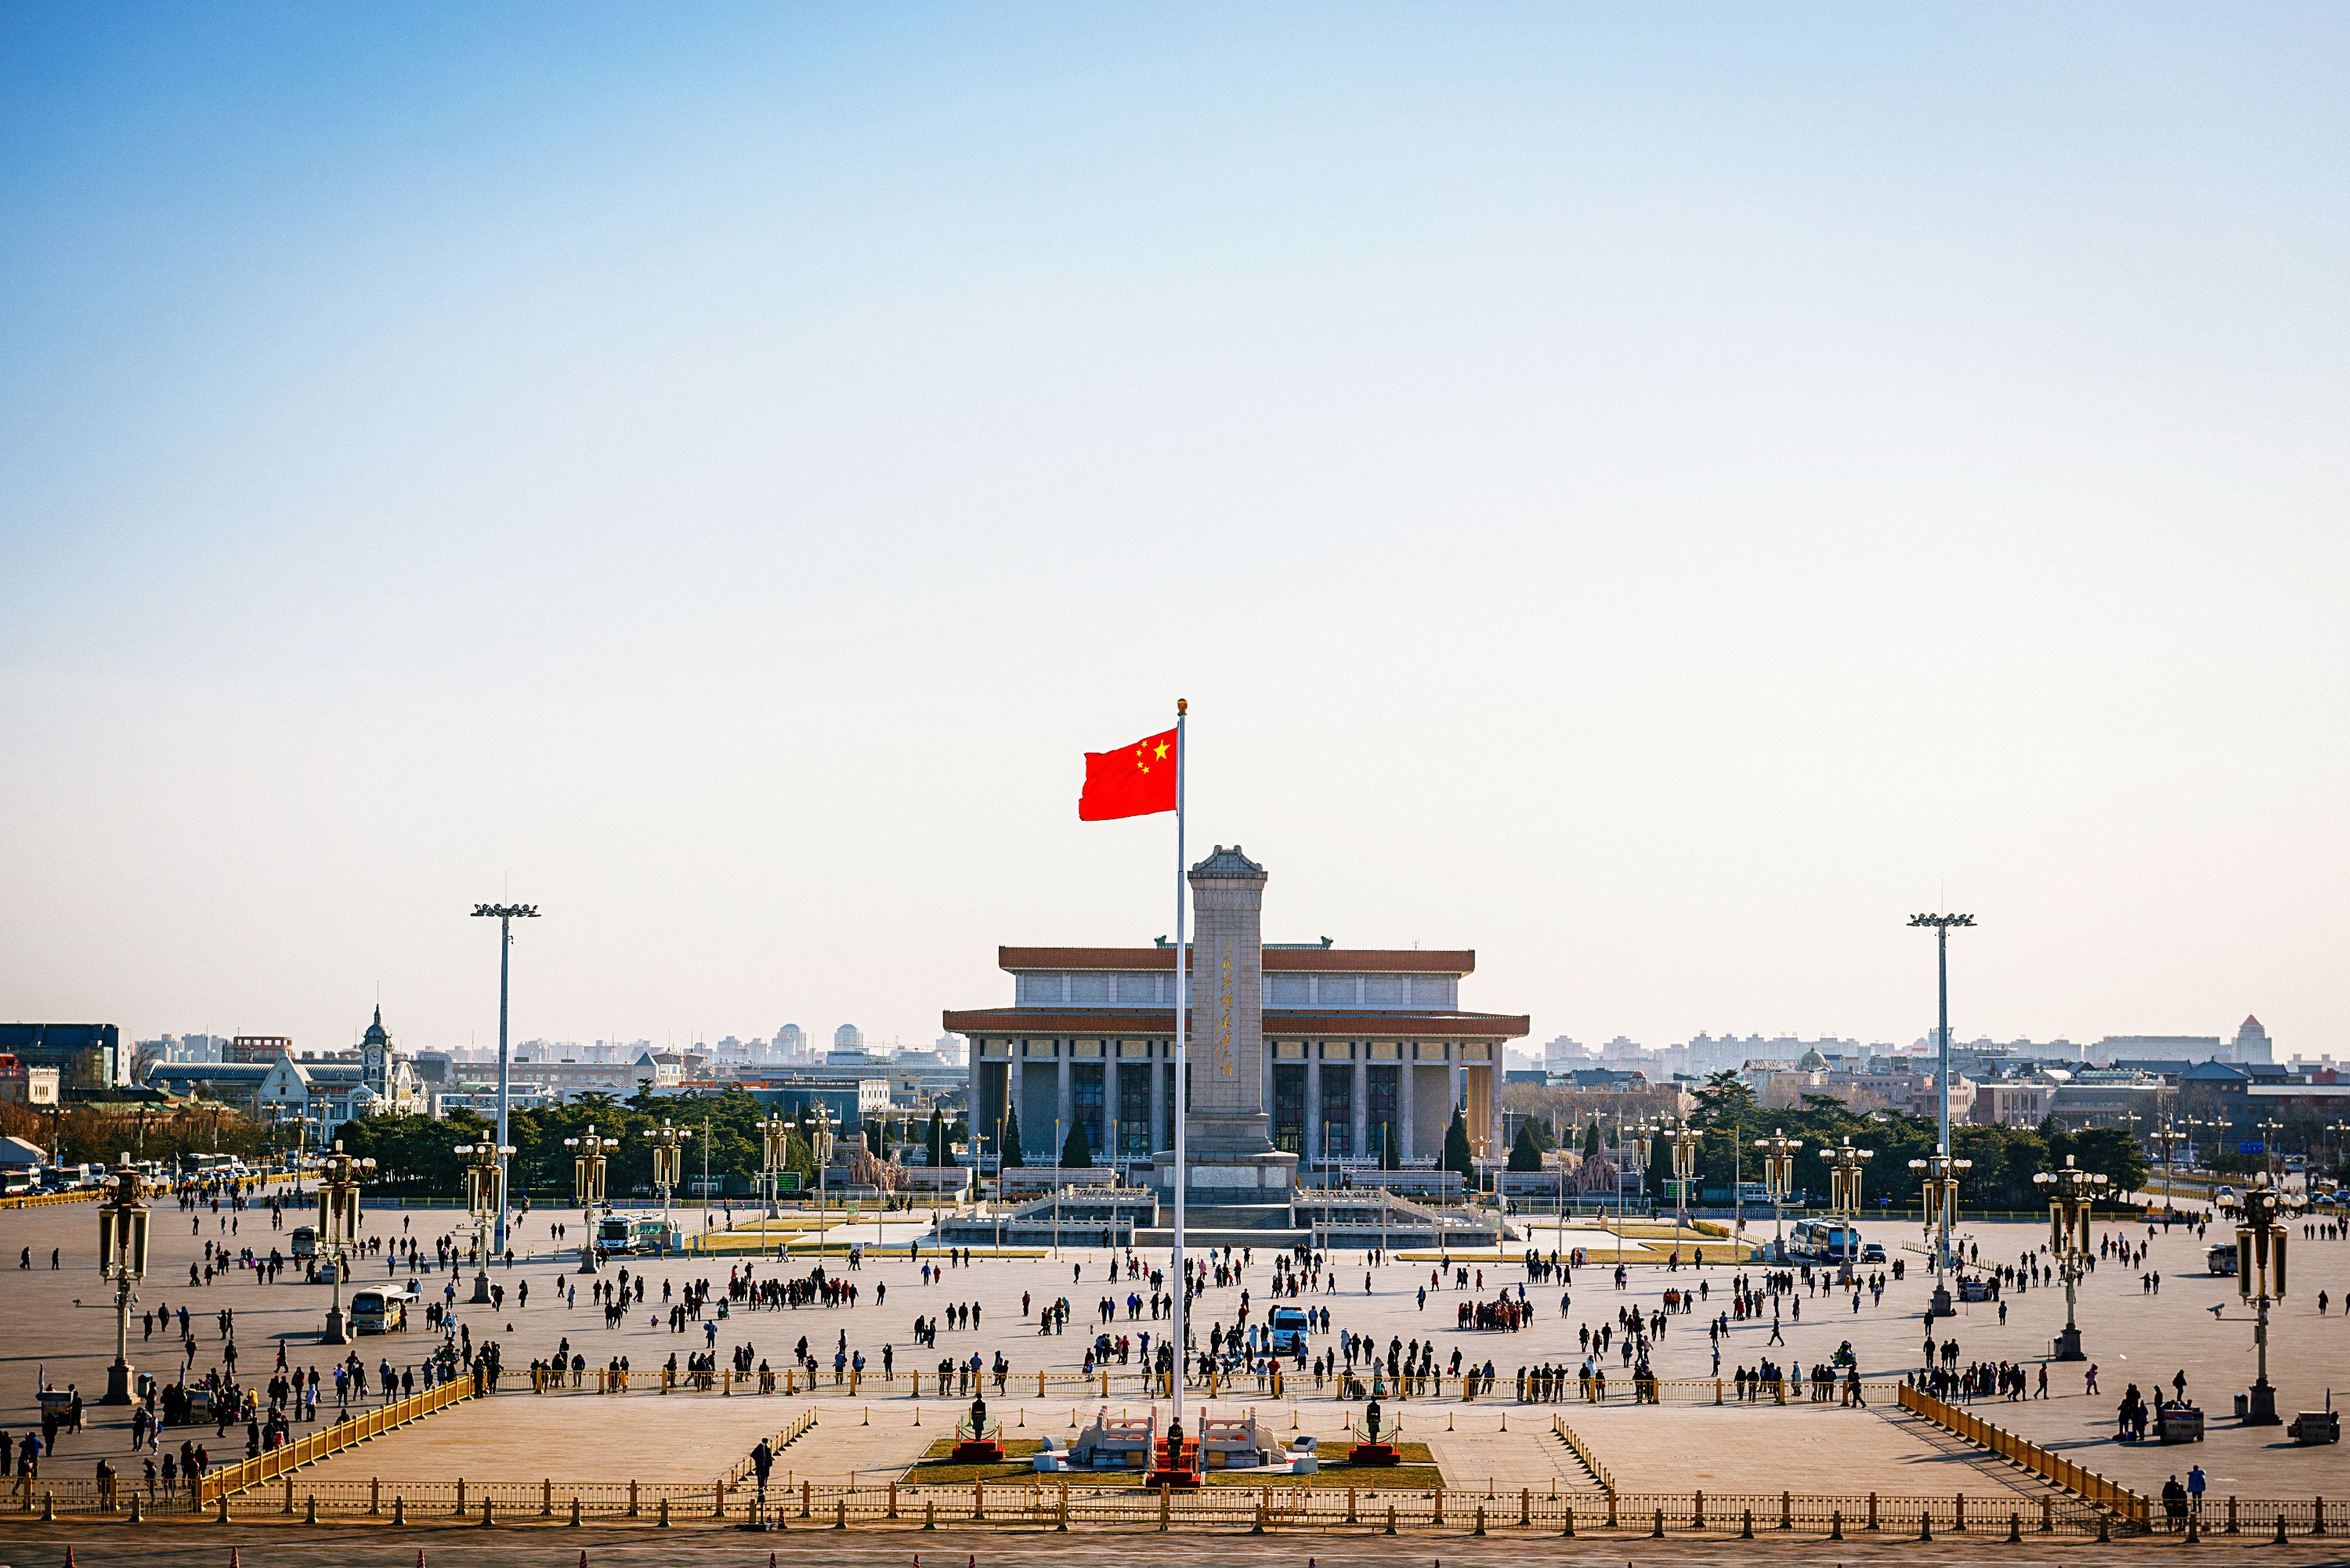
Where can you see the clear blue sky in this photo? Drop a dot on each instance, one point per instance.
(1655, 494)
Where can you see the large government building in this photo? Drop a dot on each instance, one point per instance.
(1314, 1051)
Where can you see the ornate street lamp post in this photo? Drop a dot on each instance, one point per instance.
(1845, 1164)
(122, 1258)
(338, 1227)
(587, 1184)
(1778, 1174)
(1687, 1141)
(668, 1165)
(484, 1163)
(1941, 1174)
(775, 1147)
(2071, 1193)
(2260, 1280)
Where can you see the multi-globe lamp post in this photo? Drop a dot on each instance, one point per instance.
(1687, 1143)
(1779, 1153)
(1846, 1164)
(589, 1152)
(338, 1227)
(774, 1155)
(2072, 1194)
(2260, 1280)
(1939, 1175)
(485, 1162)
(669, 1164)
(122, 1258)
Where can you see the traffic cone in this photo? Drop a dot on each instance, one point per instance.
(69, 1561)
(232, 1556)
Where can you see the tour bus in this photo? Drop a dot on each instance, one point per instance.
(380, 1309)
(613, 1234)
(1824, 1241)
(209, 1166)
(1289, 1326)
(305, 1240)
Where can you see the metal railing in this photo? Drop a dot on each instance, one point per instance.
(2050, 1466)
(312, 1446)
(1591, 1461)
(1228, 1499)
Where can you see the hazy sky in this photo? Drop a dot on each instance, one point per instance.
(1655, 494)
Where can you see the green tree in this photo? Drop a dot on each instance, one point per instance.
(1524, 1155)
(1726, 1100)
(1660, 1165)
(1591, 1140)
(1075, 1149)
(1009, 1158)
(1457, 1156)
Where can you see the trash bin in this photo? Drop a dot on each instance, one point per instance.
(2243, 1406)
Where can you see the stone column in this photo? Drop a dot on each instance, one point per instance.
(1312, 1100)
(1407, 1104)
(1067, 1103)
(1013, 1080)
(1161, 1134)
(1360, 1109)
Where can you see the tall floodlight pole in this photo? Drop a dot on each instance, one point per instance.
(587, 1184)
(1779, 1153)
(2071, 1193)
(122, 1258)
(2271, 1160)
(484, 1163)
(1940, 925)
(506, 915)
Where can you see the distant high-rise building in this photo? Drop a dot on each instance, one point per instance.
(1558, 1054)
(950, 1048)
(848, 1037)
(791, 1044)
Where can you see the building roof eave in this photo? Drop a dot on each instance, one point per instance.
(1352, 1024)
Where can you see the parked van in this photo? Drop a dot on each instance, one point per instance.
(380, 1309)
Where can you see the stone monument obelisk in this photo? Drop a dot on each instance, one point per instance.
(1228, 1130)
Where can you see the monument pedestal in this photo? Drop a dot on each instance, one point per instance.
(1373, 1454)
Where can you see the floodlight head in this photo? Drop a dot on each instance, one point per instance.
(1941, 921)
(506, 911)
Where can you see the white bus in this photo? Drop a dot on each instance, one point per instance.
(380, 1309)
(1824, 1241)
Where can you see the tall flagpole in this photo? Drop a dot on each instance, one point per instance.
(1183, 1065)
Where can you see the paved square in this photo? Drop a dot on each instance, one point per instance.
(61, 1328)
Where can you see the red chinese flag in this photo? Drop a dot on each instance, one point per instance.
(1133, 781)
